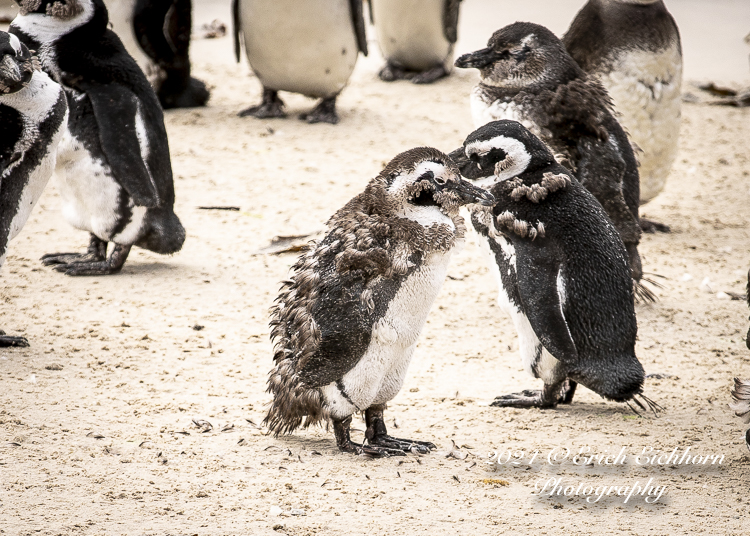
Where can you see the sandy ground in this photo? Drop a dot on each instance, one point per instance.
(96, 417)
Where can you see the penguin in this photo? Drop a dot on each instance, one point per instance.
(561, 267)
(633, 48)
(526, 75)
(157, 34)
(741, 404)
(346, 323)
(416, 38)
(113, 168)
(33, 117)
(302, 47)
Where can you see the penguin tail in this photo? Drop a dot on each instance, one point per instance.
(165, 233)
(294, 405)
(741, 399)
(642, 293)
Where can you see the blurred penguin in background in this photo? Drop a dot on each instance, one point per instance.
(157, 34)
(416, 38)
(633, 48)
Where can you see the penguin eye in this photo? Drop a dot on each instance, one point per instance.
(440, 180)
(474, 157)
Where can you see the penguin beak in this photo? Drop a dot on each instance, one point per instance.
(470, 194)
(477, 60)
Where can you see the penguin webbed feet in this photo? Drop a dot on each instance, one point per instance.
(642, 293)
(10, 341)
(324, 112)
(392, 72)
(93, 262)
(653, 227)
(271, 106)
(341, 429)
(645, 404)
(546, 398)
(377, 435)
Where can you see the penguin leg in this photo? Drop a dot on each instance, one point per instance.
(112, 265)
(344, 441)
(324, 112)
(271, 106)
(430, 75)
(96, 252)
(377, 434)
(7, 341)
(548, 397)
(392, 72)
(651, 226)
(568, 391)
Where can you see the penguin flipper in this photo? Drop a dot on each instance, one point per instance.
(540, 291)
(11, 130)
(358, 20)
(450, 20)
(236, 28)
(149, 19)
(116, 111)
(609, 190)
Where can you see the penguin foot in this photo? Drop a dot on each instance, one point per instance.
(112, 265)
(430, 75)
(8, 341)
(344, 442)
(546, 398)
(324, 112)
(96, 252)
(377, 435)
(403, 445)
(193, 95)
(391, 73)
(272, 106)
(651, 226)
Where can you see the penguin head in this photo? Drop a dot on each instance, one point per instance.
(520, 55)
(17, 64)
(48, 20)
(499, 151)
(427, 178)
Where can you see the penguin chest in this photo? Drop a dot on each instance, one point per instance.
(93, 200)
(485, 109)
(304, 47)
(645, 89)
(380, 373)
(411, 34)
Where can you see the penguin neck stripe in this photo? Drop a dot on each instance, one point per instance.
(47, 29)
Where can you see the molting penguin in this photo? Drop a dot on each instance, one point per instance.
(416, 38)
(741, 404)
(113, 166)
(33, 116)
(561, 267)
(526, 75)
(305, 47)
(157, 34)
(347, 322)
(633, 48)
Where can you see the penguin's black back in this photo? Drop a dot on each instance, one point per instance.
(599, 308)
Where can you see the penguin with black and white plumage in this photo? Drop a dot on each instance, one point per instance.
(416, 38)
(156, 33)
(307, 47)
(526, 75)
(113, 167)
(33, 117)
(633, 48)
(561, 268)
(741, 404)
(346, 323)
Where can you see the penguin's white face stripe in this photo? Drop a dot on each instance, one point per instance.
(516, 161)
(424, 215)
(15, 43)
(47, 29)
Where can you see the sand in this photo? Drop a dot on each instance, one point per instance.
(97, 417)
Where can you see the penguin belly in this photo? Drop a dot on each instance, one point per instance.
(537, 361)
(411, 34)
(302, 47)
(645, 89)
(45, 94)
(379, 374)
(93, 200)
